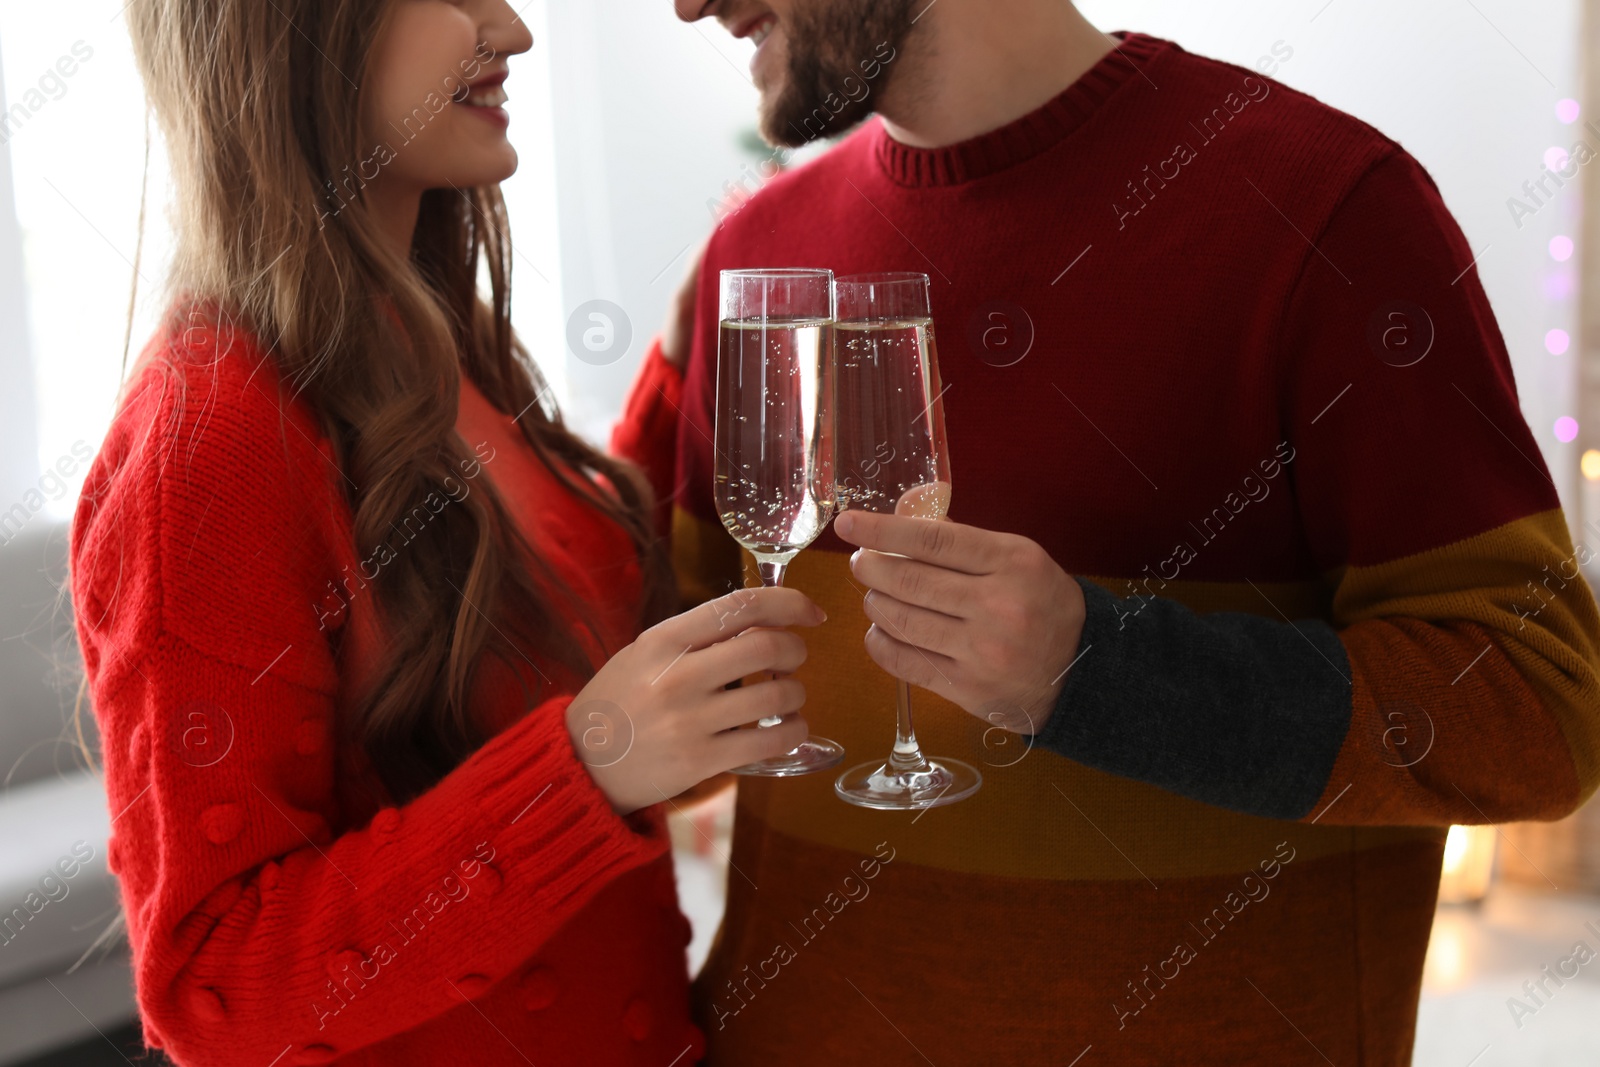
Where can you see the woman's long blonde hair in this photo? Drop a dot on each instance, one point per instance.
(260, 104)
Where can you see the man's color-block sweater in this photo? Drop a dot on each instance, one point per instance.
(1216, 347)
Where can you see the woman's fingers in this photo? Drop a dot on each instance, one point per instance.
(722, 618)
(738, 747)
(750, 652)
(738, 707)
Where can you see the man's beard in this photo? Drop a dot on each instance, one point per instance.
(834, 45)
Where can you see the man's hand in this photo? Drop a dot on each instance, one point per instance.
(985, 620)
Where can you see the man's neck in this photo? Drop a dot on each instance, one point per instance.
(971, 66)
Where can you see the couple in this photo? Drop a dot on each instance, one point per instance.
(1231, 614)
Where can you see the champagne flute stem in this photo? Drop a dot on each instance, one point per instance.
(907, 756)
(771, 573)
(771, 577)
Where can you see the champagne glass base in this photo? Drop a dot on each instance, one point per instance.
(811, 755)
(875, 785)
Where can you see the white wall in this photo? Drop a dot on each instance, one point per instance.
(531, 206)
(77, 161)
(648, 117)
(19, 438)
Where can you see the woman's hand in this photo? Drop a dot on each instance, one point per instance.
(677, 333)
(657, 718)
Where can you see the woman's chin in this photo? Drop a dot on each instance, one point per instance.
(491, 170)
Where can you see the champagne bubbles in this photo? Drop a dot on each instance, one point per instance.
(599, 332)
(930, 500)
(773, 481)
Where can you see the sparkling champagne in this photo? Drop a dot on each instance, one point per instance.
(774, 471)
(897, 431)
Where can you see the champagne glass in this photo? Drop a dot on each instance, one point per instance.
(892, 457)
(774, 443)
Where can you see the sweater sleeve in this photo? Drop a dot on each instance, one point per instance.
(252, 906)
(1457, 679)
(647, 432)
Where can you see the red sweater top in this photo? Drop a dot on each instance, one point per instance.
(281, 910)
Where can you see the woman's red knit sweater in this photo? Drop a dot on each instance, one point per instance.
(281, 909)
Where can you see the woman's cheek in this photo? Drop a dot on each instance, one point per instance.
(419, 50)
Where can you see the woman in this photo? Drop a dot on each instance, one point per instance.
(384, 756)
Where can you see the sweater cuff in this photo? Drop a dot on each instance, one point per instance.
(1232, 709)
(538, 799)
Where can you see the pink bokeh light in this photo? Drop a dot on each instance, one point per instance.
(1561, 248)
(1566, 428)
(1556, 342)
(1556, 157)
(1567, 110)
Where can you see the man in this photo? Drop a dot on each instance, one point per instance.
(1255, 561)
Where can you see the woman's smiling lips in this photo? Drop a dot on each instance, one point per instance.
(484, 98)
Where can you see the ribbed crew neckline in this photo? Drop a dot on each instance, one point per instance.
(1023, 138)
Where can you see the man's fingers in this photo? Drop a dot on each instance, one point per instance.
(919, 584)
(946, 544)
(930, 670)
(719, 619)
(912, 625)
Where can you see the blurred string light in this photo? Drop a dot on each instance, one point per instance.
(1590, 465)
(1468, 864)
(1560, 286)
(1445, 969)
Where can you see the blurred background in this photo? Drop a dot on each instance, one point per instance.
(632, 127)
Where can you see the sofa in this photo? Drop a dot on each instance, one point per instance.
(64, 970)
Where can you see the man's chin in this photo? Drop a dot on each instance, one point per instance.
(786, 123)
(776, 127)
